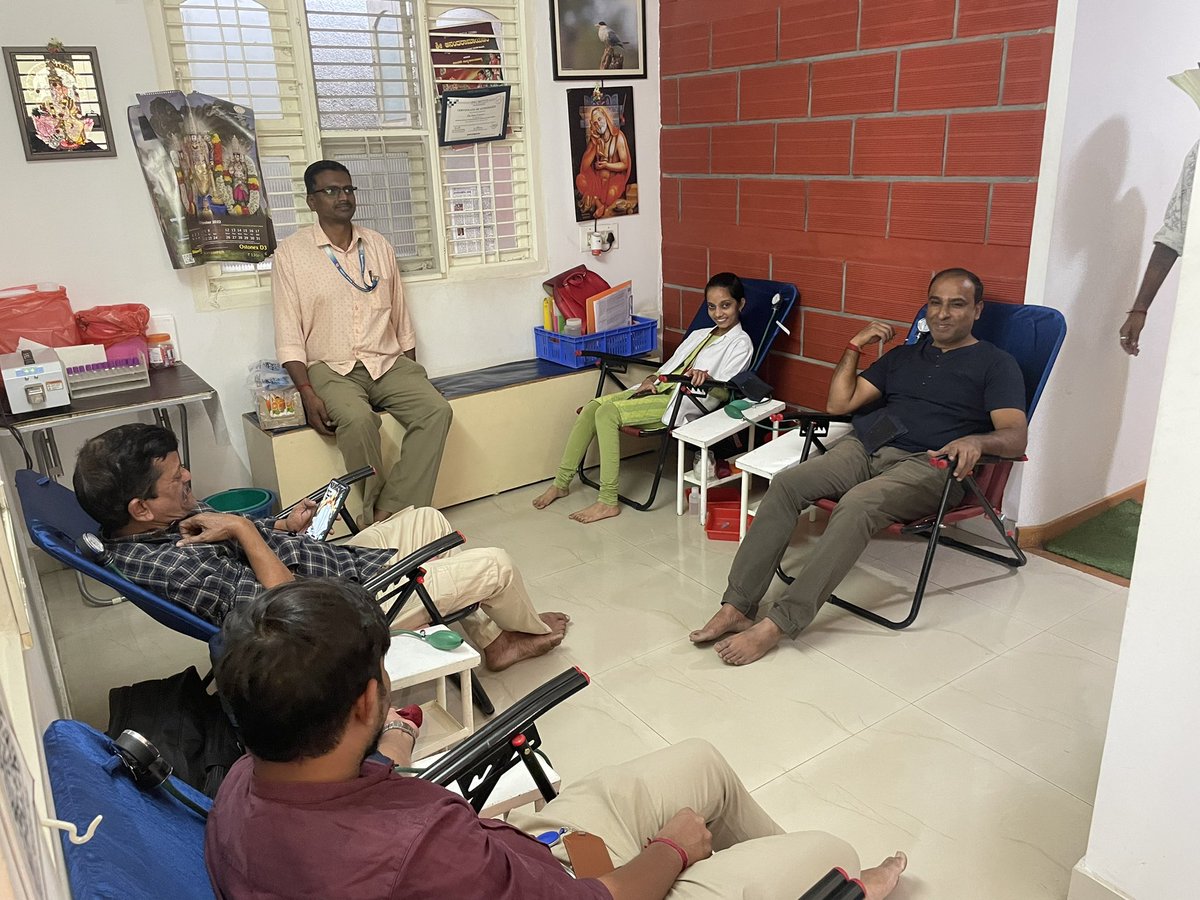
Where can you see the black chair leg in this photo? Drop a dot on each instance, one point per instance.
(642, 505)
(933, 534)
(479, 696)
(482, 701)
(919, 594)
(1018, 557)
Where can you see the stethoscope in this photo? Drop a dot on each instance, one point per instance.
(362, 269)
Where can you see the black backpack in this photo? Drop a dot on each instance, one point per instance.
(185, 723)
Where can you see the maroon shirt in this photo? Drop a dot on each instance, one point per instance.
(381, 835)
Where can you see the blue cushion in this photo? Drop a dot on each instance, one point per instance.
(148, 846)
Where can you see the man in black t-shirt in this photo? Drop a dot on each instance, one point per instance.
(947, 395)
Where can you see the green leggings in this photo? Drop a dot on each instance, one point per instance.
(602, 418)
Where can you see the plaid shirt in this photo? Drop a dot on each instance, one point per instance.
(210, 579)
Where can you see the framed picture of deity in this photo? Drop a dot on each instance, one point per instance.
(59, 98)
(603, 152)
(591, 39)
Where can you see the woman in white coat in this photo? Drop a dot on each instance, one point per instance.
(718, 353)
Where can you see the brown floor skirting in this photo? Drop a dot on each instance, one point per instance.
(1034, 536)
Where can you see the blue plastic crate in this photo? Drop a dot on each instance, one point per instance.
(633, 340)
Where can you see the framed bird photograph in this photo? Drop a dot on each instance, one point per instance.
(598, 39)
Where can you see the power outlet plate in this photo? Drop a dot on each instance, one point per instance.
(585, 236)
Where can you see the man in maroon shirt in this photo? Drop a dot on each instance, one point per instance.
(306, 814)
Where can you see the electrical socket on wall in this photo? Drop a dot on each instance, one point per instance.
(585, 237)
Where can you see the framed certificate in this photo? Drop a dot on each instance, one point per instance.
(474, 116)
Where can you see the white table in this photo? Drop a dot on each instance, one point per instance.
(702, 433)
(411, 661)
(774, 457)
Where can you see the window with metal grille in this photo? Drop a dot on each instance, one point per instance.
(352, 80)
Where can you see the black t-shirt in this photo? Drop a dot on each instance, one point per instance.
(935, 397)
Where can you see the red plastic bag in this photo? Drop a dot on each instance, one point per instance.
(40, 315)
(571, 290)
(110, 325)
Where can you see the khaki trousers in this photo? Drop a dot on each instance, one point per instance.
(460, 577)
(753, 858)
(873, 490)
(405, 392)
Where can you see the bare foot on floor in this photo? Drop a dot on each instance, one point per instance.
(514, 646)
(726, 620)
(556, 621)
(750, 645)
(596, 512)
(548, 496)
(881, 880)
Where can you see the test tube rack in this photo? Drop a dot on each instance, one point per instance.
(121, 374)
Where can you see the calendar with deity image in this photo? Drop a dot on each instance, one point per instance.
(200, 160)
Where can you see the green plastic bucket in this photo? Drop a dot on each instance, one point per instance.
(256, 503)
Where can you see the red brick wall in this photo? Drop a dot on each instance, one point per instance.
(852, 147)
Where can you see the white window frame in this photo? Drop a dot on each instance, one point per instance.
(225, 287)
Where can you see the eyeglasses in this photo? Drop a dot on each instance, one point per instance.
(332, 192)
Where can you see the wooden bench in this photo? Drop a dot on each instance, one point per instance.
(510, 425)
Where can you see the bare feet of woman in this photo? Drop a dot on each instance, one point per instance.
(881, 880)
(596, 512)
(514, 646)
(557, 622)
(750, 644)
(548, 496)
(725, 621)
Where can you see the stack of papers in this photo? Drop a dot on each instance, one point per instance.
(610, 309)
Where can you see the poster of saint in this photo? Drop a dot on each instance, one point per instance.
(465, 55)
(200, 161)
(603, 156)
(59, 100)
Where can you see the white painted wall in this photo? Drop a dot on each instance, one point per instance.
(89, 225)
(1147, 818)
(1116, 135)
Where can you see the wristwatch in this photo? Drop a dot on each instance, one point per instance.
(403, 725)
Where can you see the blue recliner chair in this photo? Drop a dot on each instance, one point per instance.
(56, 523)
(151, 846)
(768, 304)
(1033, 335)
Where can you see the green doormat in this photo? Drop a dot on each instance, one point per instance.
(1106, 542)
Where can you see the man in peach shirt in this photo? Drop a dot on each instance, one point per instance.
(343, 333)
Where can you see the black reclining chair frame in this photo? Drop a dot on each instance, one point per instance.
(400, 581)
(478, 763)
(612, 365)
(930, 528)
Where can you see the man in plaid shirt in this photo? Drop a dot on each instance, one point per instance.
(131, 480)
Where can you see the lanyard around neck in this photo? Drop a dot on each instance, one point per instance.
(362, 269)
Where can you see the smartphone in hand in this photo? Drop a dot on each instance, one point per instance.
(327, 510)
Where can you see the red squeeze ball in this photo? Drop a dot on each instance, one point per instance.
(413, 714)
(938, 463)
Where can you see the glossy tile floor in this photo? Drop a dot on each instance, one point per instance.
(971, 740)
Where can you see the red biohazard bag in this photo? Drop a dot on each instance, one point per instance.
(571, 290)
(110, 325)
(41, 315)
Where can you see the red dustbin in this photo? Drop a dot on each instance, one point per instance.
(721, 524)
